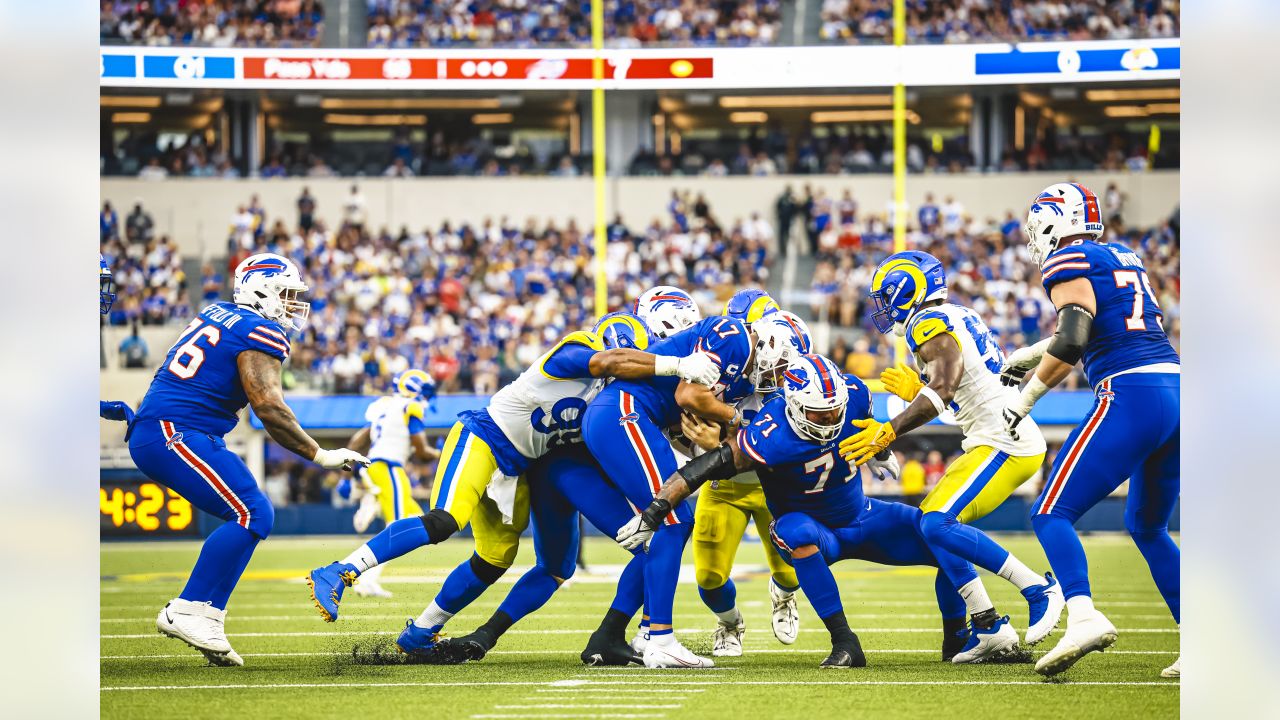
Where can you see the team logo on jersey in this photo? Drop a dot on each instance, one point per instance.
(631, 417)
(796, 378)
(173, 440)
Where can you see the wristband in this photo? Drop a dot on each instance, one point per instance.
(665, 365)
(652, 515)
(934, 399)
(1034, 390)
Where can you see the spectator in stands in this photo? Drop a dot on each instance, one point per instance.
(133, 349)
(355, 209)
(785, 208)
(210, 284)
(912, 480)
(934, 469)
(398, 169)
(319, 169)
(240, 23)
(306, 210)
(108, 223)
(153, 170)
(138, 226)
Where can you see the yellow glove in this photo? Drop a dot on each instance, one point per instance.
(903, 381)
(861, 448)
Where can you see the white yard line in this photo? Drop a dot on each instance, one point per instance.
(749, 651)
(236, 618)
(648, 682)
(578, 631)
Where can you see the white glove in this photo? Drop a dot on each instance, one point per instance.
(635, 534)
(369, 509)
(886, 469)
(1018, 408)
(340, 459)
(697, 368)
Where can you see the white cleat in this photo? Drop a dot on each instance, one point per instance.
(1045, 605)
(727, 641)
(988, 644)
(1174, 670)
(786, 617)
(641, 640)
(1093, 633)
(200, 625)
(672, 654)
(370, 588)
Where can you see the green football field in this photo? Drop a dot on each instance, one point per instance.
(298, 666)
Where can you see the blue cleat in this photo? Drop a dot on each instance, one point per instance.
(416, 640)
(1044, 604)
(327, 584)
(986, 644)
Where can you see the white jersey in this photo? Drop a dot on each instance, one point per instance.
(980, 399)
(539, 411)
(390, 419)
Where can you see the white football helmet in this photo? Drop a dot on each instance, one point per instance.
(803, 339)
(813, 383)
(1062, 210)
(270, 284)
(666, 310)
(775, 351)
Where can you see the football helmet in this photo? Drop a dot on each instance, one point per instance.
(666, 310)
(803, 339)
(621, 329)
(270, 284)
(813, 383)
(775, 351)
(1060, 211)
(902, 283)
(106, 287)
(415, 385)
(750, 305)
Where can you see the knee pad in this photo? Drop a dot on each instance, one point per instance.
(440, 525)
(709, 579)
(934, 524)
(262, 517)
(1142, 534)
(487, 572)
(795, 530)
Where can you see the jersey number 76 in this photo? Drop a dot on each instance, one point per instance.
(189, 355)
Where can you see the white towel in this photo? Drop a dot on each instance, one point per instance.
(502, 489)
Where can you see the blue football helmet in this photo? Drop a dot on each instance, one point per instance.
(415, 385)
(750, 304)
(106, 287)
(621, 329)
(902, 283)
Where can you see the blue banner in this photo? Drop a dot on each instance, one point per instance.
(119, 66)
(188, 67)
(1135, 59)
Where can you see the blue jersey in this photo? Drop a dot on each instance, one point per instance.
(1127, 329)
(725, 339)
(802, 475)
(198, 385)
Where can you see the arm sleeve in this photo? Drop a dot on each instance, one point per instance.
(268, 339)
(570, 360)
(1068, 263)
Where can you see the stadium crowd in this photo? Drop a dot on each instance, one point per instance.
(214, 23)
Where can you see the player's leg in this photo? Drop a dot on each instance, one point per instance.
(955, 631)
(974, 485)
(718, 525)
(811, 547)
(783, 584)
(638, 458)
(465, 467)
(212, 478)
(497, 543)
(392, 485)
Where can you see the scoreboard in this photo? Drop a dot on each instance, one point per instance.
(131, 505)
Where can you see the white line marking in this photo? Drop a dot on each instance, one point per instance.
(637, 682)
(749, 651)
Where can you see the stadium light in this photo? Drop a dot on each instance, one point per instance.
(746, 118)
(1121, 111)
(379, 120)
(842, 116)
(1172, 93)
(492, 118)
(130, 117)
(802, 101)
(141, 101)
(332, 103)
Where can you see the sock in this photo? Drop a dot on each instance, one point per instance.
(1066, 555)
(662, 570)
(630, 594)
(721, 599)
(460, 589)
(1019, 574)
(1080, 606)
(433, 618)
(730, 618)
(662, 637)
(530, 592)
(373, 574)
(398, 538)
(838, 625)
(945, 531)
(975, 597)
(493, 629)
(222, 561)
(362, 559)
(786, 591)
(1164, 560)
(819, 585)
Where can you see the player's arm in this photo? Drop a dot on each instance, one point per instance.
(422, 449)
(361, 441)
(699, 400)
(260, 377)
(575, 359)
(1076, 305)
(721, 463)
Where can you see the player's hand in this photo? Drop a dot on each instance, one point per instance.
(117, 410)
(887, 469)
(702, 433)
(902, 380)
(1018, 364)
(699, 369)
(1013, 414)
(340, 459)
(635, 534)
(874, 437)
(1013, 376)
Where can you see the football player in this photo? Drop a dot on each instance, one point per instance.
(478, 476)
(750, 305)
(117, 410)
(1107, 317)
(229, 355)
(625, 429)
(962, 362)
(822, 515)
(396, 428)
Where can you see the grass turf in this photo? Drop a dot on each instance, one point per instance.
(298, 666)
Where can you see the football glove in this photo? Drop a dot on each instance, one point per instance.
(1012, 416)
(115, 410)
(1013, 376)
(886, 469)
(699, 369)
(874, 437)
(902, 380)
(640, 529)
(340, 459)
(1022, 361)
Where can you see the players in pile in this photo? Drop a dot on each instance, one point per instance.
(822, 515)
(1107, 317)
(396, 428)
(479, 475)
(961, 361)
(229, 355)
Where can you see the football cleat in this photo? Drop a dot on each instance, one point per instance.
(1044, 605)
(673, 655)
(845, 655)
(604, 651)
(990, 643)
(468, 648)
(200, 625)
(1094, 633)
(1174, 670)
(371, 588)
(786, 617)
(327, 584)
(641, 640)
(727, 641)
(416, 640)
(955, 635)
